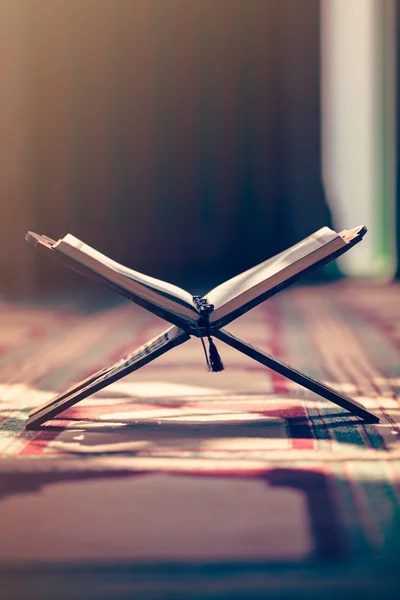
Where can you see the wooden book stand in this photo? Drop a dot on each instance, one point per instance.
(180, 332)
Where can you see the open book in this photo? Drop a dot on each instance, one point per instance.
(202, 317)
(222, 304)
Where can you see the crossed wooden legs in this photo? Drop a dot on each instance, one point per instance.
(172, 337)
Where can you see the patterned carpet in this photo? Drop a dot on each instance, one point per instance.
(178, 483)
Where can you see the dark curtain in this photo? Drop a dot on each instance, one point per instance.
(280, 196)
(181, 137)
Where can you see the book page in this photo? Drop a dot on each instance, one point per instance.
(265, 271)
(162, 287)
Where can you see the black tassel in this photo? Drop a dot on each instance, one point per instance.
(215, 360)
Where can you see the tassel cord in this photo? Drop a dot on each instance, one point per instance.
(209, 368)
(213, 359)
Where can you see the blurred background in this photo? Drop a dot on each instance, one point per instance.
(190, 139)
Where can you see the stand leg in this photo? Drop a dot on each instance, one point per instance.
(311, 384)
(132, 362)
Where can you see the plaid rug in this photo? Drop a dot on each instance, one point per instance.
(177, 483)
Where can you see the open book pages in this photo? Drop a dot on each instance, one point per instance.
(160, 293)
(237, 294)
(245, 287)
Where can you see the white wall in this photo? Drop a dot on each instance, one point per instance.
(358, 127)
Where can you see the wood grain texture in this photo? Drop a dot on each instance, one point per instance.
(132, 362)
(309, 383)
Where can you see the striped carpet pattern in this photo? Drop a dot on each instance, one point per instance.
(237, 468)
